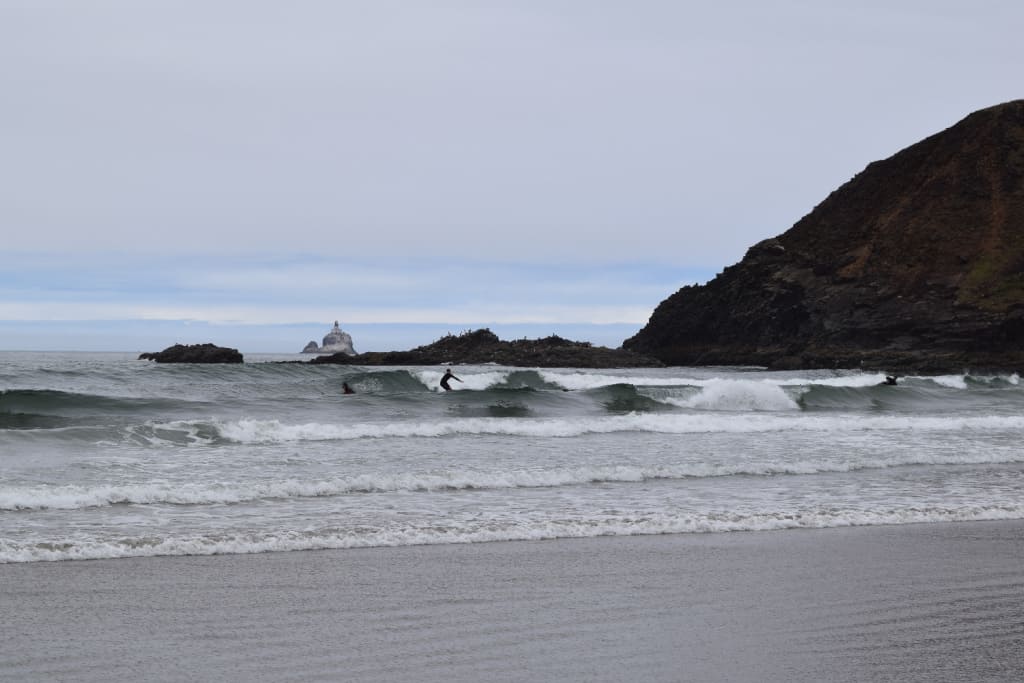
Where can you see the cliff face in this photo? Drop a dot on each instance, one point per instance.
(915, 263)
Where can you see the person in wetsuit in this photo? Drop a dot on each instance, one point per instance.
(346, 389)
(447, 376)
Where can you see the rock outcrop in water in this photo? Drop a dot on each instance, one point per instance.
(336, 341)
(483, 346)
(194, 353)
(917, 263)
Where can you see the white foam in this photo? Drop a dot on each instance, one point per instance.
(475, 381)
(76, 548)
(949, 381)
(71, 496)
(581, 381)
(737, 395)
(274, 431)
(853, 381)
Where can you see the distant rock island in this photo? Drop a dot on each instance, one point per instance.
(917, 263)
(335, 341)
(482, 346)
(194, 353)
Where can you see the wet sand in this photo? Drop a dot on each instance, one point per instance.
(932, 602)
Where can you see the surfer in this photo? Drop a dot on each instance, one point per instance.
(346, 389)
(447, 376)
(890, 380)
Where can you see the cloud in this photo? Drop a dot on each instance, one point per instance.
(405, 161)
(306, 289)
(560, 132)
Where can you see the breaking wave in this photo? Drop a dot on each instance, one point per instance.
(274, 431)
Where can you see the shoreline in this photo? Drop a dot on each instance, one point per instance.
(923, 602)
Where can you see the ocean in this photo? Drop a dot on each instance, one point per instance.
(106, 456)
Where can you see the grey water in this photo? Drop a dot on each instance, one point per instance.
(106, 456)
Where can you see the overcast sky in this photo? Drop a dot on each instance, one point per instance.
(445, 163)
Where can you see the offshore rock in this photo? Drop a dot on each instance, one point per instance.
(335, 341)
(916, 264)
(483, 346)
(194, 353)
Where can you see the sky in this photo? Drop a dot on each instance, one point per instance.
(248, 172)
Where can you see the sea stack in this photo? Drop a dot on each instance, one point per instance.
(335, 341)
(195, 353)
(916, 263)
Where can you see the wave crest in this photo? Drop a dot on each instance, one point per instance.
(740, 395)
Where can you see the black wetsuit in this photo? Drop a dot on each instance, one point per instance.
(447, 376)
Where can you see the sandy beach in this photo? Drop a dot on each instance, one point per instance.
(935, 602)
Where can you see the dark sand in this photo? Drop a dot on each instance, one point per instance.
(936, 602)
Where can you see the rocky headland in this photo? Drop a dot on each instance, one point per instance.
(194, 353)
(915, 264)
(483, 346)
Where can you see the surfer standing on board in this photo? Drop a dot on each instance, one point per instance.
(447, 376)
